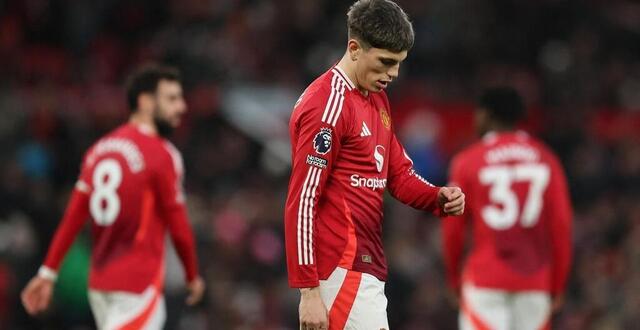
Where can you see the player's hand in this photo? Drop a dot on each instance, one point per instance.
(313, 312)
(196, 291)
(451, 200)
(36, 296)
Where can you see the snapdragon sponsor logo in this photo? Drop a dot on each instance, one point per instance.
(371, 183)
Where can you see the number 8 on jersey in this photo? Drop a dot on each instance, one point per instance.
(104, 204)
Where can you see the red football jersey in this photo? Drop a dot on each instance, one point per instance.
(518, 205)
(344, 155)
(130, 188)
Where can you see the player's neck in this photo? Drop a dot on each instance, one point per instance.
(349, 68)
(145, 124)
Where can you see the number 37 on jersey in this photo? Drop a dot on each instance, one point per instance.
(515, 194)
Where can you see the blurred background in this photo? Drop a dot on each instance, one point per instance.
(245, 62)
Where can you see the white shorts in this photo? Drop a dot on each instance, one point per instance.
(119, 310)
(355, 301)
(483, 308)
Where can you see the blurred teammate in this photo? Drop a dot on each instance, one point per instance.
(130, 186)
(345, 155)
(519, 209)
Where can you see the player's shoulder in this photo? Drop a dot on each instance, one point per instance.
(171, 155)
(330, 87)
(170, 150)
(118, 141)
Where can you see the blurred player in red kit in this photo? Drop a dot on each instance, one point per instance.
(345, 155)
(519, 209)
(130, 186)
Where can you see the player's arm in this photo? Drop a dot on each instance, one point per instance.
(561, 216)
(316, 144)
(453, 233)
(168, 182)
(37, 294)
(313, 155)
(407, 186)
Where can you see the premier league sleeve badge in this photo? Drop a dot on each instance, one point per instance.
(322, 141)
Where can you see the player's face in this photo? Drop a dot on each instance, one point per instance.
(377, 67)
(170, 106)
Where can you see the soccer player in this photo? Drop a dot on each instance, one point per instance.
(130, 186)
(345, 156)
(520, 213)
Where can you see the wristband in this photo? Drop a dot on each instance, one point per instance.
(47, 273)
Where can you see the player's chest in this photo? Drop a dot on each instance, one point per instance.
(370, 132)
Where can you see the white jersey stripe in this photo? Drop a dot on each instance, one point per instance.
(335, 112)
(313, 195)
(344, 76)
(305, 219)
(307, 214)
(336, 101)
(335, 119)
(302, 195)
(330, 100)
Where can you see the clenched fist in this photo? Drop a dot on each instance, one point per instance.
(451, 200)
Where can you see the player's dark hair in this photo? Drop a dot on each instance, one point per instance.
(380, 24)
(503, 104)
(146, 79)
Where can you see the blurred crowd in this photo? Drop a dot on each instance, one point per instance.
(577, 62)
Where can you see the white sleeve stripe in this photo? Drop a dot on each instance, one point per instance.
(309, 219)
(338, 104)
(313, 195)
(344, 76)
(305, 220)
(305, 216)
(330, 100)
(341, 103)
(336, 99)
(302, 195)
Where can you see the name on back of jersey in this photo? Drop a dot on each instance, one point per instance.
(512, 152)
(129, 151)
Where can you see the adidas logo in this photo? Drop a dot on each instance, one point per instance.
(365, 130)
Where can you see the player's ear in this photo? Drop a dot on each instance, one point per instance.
(145, 102)
(354, 48)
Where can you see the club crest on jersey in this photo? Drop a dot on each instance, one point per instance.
(386, 120)
(322, 141)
